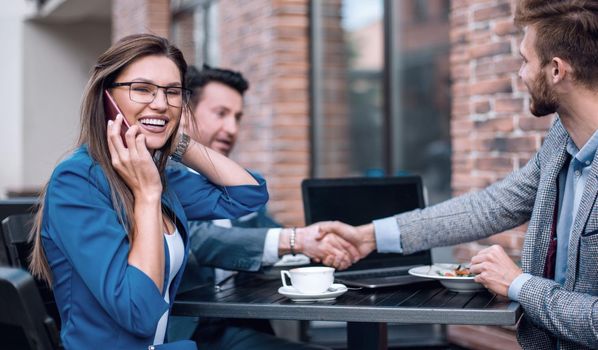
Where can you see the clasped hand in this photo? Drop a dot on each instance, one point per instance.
(329, 249)
(134, 162)
(334, 243)
(494, 269)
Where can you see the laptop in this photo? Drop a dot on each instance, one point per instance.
(358, 201)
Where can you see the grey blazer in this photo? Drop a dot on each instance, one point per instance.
(568, 313)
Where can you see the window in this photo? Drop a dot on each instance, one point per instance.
(195, 30)
(381, 90)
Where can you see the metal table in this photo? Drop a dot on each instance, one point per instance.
(366, 311)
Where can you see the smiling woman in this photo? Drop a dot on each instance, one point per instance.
(111, 234)
(150, 94)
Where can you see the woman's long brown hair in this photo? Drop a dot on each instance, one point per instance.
(93, 132)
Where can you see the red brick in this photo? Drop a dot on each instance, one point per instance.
(490, 49)
(458, 36)
(458, 4)
(462, 127)
(479, 36)
(491, 86)
(507, 64)
(505, 27)
(481, 107)
(459, 56)
(493, 12)
(461, 144)
(460, 89)
(498, 163)
(508, 144)
(460, 71)
(484, 69)
(508, 105)
(458, 19)
(464, 164)
(535, 123)
(460, 110)
(495, 125)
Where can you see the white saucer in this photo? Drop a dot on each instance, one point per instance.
(334, 291)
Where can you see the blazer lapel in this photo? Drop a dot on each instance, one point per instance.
(583, 213)
(538, 235)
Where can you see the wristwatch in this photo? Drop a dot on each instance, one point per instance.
(181, 148)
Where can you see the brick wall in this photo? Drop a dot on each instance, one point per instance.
(182, 35)
(140, 16)
(334, 143)
(268, 41)
(493, 132)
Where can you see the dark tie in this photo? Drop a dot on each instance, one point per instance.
(550, 264)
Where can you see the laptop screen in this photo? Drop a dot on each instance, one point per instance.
(358, 201)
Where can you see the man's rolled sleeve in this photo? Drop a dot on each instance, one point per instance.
(515, 287)
(388, 235)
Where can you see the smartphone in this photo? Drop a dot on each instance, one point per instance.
(111, 109)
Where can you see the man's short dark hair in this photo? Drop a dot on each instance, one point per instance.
(567, 29)
(196, 79)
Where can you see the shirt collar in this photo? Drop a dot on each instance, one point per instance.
(586, 154)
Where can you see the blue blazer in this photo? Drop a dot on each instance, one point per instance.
(103, 301)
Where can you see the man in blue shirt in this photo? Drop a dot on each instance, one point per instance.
(220, 248)
(557, 284)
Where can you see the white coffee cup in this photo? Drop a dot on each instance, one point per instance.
(309, 280)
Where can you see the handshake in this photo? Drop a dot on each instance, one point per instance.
(332, 243)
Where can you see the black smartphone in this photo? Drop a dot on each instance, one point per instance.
(111, 109)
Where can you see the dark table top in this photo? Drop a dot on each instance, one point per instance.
(427, 302)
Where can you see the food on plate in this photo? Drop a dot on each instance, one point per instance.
(459, 271)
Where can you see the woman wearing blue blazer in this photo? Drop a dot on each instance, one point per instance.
(111, 234)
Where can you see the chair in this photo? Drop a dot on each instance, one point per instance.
(12, 207)
(24, 323)
(15, 230)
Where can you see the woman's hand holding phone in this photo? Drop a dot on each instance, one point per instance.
(134, 164)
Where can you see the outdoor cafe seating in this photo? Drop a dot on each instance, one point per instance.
(29, 317)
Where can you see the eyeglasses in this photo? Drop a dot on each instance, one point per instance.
(142, 92)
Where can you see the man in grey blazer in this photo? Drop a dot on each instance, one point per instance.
(556, 191)
(245, 244)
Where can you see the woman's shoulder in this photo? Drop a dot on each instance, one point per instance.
(78, 164)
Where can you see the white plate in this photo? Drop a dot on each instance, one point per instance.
(334, 291)
(456, 284)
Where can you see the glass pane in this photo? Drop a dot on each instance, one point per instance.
(195, 30)
(421, 137)
(350, 141)
(350, 122)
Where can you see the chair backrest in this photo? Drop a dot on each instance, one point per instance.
(10, 207)
(16, 230)
(24, 323)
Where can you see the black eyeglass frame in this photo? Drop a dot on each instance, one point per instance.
(185, 93)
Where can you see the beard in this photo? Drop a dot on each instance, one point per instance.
(543, 100)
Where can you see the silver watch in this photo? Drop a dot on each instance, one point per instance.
(181, 148)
